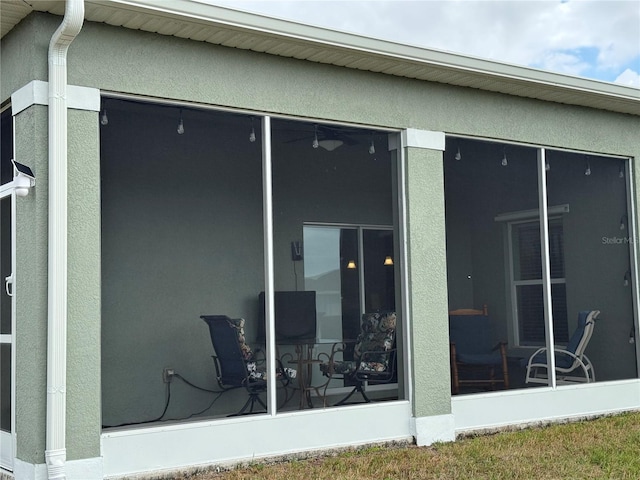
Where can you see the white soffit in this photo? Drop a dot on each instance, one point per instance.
(198, 21)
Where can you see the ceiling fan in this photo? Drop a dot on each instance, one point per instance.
(328, 137)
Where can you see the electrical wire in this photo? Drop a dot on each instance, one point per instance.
(196, 386)
(295, 274)
(166, 407)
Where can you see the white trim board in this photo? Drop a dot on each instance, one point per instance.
(530, 406)
(85, 469)
(36, 92)
(252, 437)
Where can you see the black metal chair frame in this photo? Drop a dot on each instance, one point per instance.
(363, 377)
(231, 366)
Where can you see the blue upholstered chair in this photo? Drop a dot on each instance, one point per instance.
(571, 363)
(476, 360)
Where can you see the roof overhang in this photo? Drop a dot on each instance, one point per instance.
(199, 21)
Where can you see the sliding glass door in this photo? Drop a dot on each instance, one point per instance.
(351, 268)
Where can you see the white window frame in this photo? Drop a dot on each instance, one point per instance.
(514, 284)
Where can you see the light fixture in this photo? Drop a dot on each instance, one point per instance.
(252, 135)
(388, 260)
(351, 265)
(104, 120)
(623, 222)
(547, 165)
(632, 335)
(372, 147)
(330, 144)
(621, 171)
(504, 158)
(315, 143)
(23, 179)
(180, 128)
(627, 278)
(587, 170)
(458, 155)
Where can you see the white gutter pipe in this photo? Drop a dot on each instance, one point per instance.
(56, 453)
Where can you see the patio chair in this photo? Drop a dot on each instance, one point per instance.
(475, 358)
(374, 356)
(571, 363)
(236, 364)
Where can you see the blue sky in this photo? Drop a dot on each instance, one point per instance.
(586, 38)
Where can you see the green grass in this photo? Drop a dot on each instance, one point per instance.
(604, 448)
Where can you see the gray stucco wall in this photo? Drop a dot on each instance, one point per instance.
(135, 62)
(31, 288)
(429, 330)
(83, 360)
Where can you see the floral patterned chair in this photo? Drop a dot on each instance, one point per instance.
(236, 364)
(374, 356)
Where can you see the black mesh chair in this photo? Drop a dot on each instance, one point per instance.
(235, 363)
(231, 363)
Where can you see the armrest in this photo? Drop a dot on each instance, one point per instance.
(329, 361)
(376, 365)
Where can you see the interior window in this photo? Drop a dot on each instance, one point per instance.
(526, 279)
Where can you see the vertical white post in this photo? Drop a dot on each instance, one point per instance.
(267, 218)
(546, 269)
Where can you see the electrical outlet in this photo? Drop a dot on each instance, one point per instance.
(167, 375)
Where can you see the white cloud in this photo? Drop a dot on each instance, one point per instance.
(598, 39)
(629, 78)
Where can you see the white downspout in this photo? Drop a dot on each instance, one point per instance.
(56, 453)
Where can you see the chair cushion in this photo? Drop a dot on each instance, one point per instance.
(574, 341)
(238, 324)
(338, 368)
(471, 333)
(256, 372)
(377, 335)
(562, 360)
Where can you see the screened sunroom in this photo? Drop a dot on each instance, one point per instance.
(539, 235)
(202, 215)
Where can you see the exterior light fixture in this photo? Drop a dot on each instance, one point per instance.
(458, 155)
(104, 120)
(504, 162)
(388, 260)
(23, 178)
(351, 265)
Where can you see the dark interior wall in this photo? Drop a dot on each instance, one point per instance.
(345, 186)
(596, 251)
(182, 236)
(596, 255)
(181, 230)
(477, 189)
